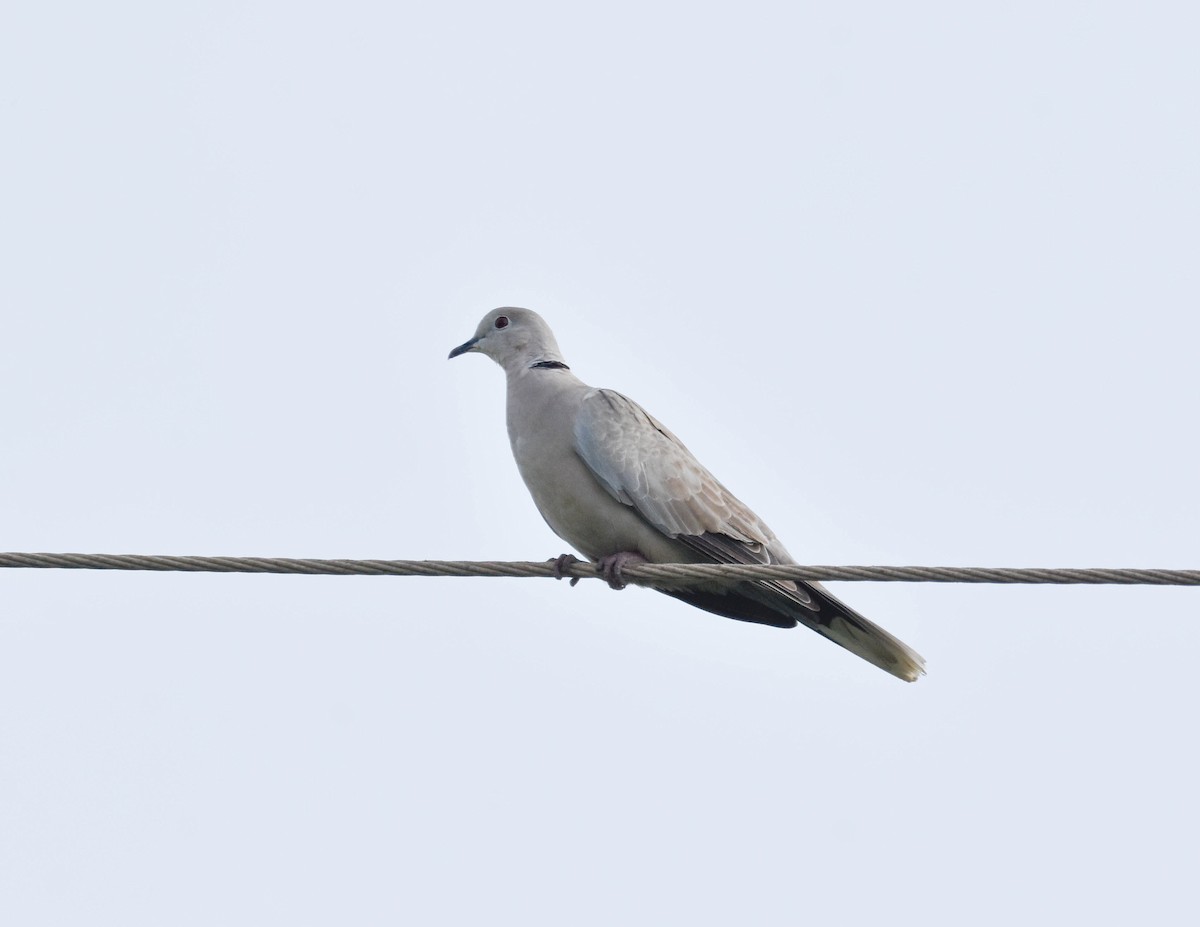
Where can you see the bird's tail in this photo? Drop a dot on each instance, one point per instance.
(786, 604)
(844, 626)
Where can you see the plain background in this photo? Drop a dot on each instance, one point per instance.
(917, 281)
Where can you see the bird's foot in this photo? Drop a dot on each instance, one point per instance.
(561, 562)
(612, 565)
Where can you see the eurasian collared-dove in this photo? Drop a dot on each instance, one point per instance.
(620, 488)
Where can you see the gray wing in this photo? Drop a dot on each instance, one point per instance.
(640, 463)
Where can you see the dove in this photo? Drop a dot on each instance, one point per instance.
(620, 488)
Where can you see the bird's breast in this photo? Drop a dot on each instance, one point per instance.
(578, 509)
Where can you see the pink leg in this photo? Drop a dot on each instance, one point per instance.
(561, 562)
(612, 565)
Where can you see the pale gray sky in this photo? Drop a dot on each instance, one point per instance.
(917, 281)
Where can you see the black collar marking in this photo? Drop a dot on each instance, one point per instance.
(549, 365)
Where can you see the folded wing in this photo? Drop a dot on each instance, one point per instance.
(643, 465)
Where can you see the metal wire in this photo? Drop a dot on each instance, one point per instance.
(645, 574)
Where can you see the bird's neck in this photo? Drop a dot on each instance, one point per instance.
(537, 360)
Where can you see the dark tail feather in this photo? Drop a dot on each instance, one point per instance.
(844, 626)
(827, 615)
(733, 605)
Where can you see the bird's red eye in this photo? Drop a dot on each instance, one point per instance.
(502, 321)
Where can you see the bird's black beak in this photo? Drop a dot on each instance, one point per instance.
(464, 348)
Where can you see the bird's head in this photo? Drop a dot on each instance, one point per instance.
(516, 339)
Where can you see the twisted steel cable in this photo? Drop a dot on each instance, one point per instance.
(645, 574)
